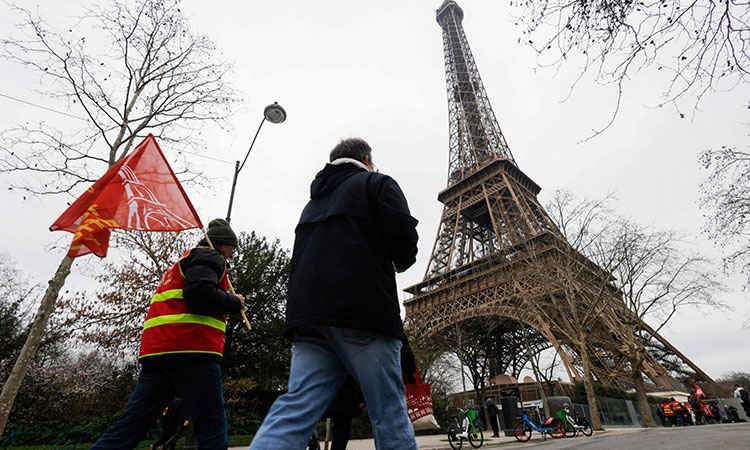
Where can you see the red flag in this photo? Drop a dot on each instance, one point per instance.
(698, 390)
(140, 192)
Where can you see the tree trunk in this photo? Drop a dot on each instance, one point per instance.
(647, 420)
(596, 423)
(536, 374)
(463, 384)
(36, 332)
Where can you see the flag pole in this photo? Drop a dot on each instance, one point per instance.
(231, 288)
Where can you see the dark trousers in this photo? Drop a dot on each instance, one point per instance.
(342, 428)
(197, 381)
(493, 422)
(171, 430)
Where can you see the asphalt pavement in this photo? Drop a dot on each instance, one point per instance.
(719, 436)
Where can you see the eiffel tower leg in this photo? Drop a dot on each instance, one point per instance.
(567, 360)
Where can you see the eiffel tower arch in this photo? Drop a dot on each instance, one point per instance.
(497, 250)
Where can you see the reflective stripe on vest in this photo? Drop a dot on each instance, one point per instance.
(166, 295)
(171, 327)
(185, 318)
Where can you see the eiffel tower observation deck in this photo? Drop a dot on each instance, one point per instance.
(498, 254)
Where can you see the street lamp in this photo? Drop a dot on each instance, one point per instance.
(273, 113)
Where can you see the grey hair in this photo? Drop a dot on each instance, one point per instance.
(354, 148)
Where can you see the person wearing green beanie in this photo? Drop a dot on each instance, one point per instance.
(182, 345)
(221, 233)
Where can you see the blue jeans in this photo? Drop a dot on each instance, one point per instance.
(319, 367)
(197, 381)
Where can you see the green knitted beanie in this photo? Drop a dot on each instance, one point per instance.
(220, 232)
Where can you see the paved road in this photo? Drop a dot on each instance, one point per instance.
(720, 436)
(713, 437)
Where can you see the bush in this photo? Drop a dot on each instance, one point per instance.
(600, 390)
(61, 432)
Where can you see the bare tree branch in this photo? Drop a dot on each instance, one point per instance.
(703, 44)
(726, 196)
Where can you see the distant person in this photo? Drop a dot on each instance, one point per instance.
(174, 422)
(182, 346)
(346, 405)
(662, 417)
(732, 414)
(696, 405)
(742, 394)
(689, 418)
(669, 414)
(343, 311)
(408, 362)
(715, 412)
(708, 412)
(492, 416)
(679, 411)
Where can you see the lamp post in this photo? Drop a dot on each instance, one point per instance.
(273, 113)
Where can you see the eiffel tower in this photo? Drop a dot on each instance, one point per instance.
(493, 226)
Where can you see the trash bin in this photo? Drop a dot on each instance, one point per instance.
(508, 414)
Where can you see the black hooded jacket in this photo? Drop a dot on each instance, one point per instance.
(352, 235)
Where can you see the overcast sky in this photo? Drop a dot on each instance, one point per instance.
(375, 70)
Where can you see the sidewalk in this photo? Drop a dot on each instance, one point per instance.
(440, 441)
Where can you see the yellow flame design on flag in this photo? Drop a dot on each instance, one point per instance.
(91, 224)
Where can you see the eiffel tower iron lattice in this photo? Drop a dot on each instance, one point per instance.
(497, 250)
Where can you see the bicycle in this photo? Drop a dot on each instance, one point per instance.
(552, 426)
(470, 429)
(574, 424)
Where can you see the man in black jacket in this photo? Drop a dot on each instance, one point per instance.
(492, 417)
(342, 308)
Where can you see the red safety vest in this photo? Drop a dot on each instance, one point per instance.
(171, 327)
(667, 409)
(676, 406)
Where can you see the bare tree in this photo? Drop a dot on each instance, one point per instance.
(655, 278)
(703, 45)
(129, 69)
(614, 278)
(435, 367)
(468, 342)
(547, 368)
(729, 379)
(486, 346)
(574, 293)
(508, 352)
(726, 195)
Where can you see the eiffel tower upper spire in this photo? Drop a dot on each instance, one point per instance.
(475, 136)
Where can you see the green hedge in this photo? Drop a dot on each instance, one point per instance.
(61, 432)
(600, 390)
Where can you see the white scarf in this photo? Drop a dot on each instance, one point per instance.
(359, 164)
